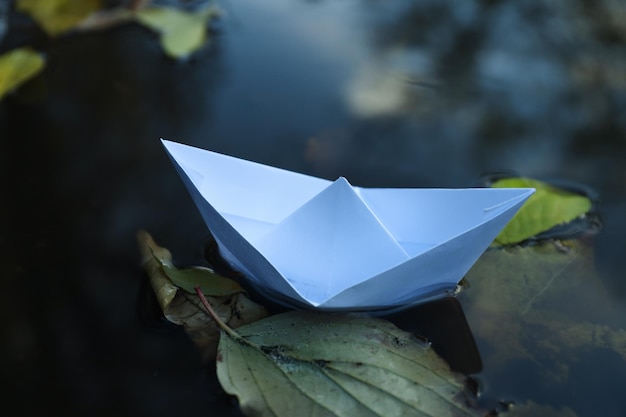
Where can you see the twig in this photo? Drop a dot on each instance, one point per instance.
(215, 317)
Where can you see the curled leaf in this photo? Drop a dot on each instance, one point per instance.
(182, 33)
(315, 364)
(58, 16)
(17, 67)
(184, 309)
(547, 208)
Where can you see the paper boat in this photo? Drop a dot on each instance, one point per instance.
(307, 241)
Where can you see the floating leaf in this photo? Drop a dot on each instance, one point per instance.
(188, 279)
(182, 33)
(548, 207)
(315, 364)
(184, 309)
(17, 67)
(58, 16)
(197, 276)
(106, 18)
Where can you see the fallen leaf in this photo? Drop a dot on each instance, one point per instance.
(531, 409)
(198, 276)
(519, 279)
(544, 306)
(182, 33)
(205, 278)
(316, 364)
(182, 308)
(58, 16)
(106, 18)
(581, 337)
(17, 67)
(548, 207)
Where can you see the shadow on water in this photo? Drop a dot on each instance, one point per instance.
(385, 93)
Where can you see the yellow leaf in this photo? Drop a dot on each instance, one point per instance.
(548, 207)
(17, 67)
(58, 16)
(182, 33)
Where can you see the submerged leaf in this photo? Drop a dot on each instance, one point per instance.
(517, 280)
(544, 305)
(17, 67)
(548, 207)
(531, 409)
(58, 16)
(182, 33)
(184, 309)
(315, 364)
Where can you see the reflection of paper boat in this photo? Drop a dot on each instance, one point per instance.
(331, 245)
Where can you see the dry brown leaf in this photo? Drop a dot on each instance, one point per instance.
(186, 310)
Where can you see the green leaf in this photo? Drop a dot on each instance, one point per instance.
(188, 279)
(315, 364)
(548, 207)
(17, 67)
(58, 16)
(182, 33)
(197, 276)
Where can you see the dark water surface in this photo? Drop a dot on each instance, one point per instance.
(420, 94)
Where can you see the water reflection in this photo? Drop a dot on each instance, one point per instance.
(385, 93)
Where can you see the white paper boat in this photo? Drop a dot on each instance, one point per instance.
(311, 242)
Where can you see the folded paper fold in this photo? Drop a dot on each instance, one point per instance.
(342, 218)
(330, 245)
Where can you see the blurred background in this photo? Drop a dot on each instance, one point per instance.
(385, 93)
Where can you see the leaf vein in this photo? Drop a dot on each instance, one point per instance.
(436, 393)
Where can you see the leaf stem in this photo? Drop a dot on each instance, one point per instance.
(214, 315)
